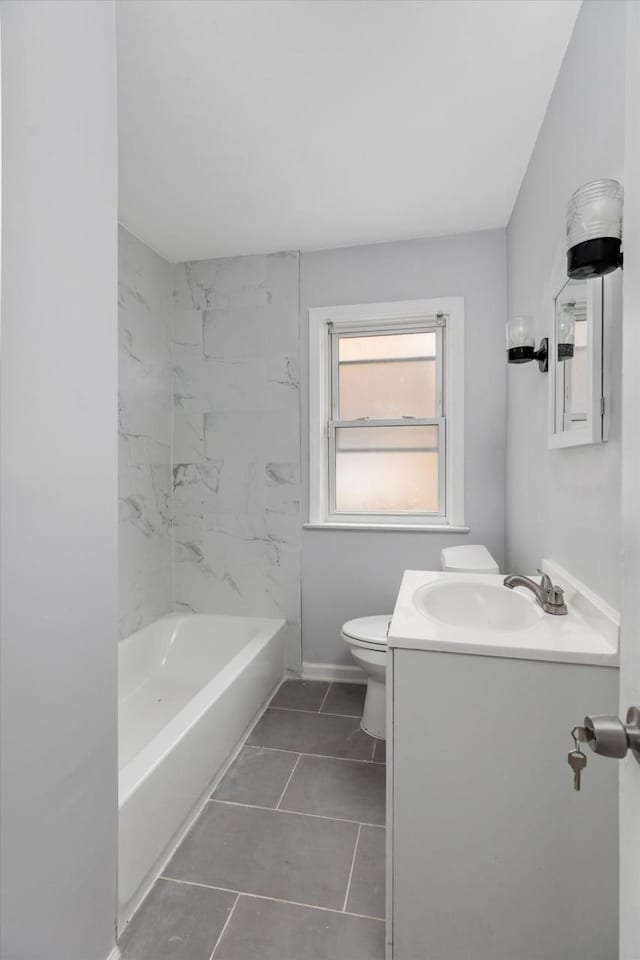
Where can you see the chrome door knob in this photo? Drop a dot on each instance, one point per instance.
(610, 737)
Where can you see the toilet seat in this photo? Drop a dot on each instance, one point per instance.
(368, 632)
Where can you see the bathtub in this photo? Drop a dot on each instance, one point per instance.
(190, 686)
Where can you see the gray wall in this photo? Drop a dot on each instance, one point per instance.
(58, 481)
(565, 504)
(237, 439)
(350, 574)
(145, 388)
(238, 413)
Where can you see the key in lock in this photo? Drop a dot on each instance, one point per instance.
(576, 757)
(606, 735)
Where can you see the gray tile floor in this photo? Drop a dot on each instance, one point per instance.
(286, 861)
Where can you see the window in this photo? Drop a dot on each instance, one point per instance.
(386, 414)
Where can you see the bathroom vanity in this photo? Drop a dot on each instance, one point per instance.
(491, 851)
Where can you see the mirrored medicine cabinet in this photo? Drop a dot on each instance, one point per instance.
(577, 387)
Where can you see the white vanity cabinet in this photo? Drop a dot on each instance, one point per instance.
(492, 855)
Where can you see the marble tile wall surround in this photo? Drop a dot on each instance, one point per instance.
(145, 425)
(236, 457)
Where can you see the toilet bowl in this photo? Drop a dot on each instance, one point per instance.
(367, 637)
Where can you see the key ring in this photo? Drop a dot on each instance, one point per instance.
(576, 740)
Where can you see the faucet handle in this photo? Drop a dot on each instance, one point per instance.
(554, 601)
(545, 581)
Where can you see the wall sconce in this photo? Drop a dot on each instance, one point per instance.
(594, 229)
(566, 331)
(521, 343)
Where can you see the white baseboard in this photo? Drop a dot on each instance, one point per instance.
(337, 672)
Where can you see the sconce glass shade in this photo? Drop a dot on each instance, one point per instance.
(566, 331)
(520, 339)
(594, 229)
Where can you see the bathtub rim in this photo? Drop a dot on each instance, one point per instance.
(133, 774)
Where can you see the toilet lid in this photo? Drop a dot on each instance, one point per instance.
(473, 558)
(368, 629)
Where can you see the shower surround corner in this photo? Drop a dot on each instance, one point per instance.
(144, 434)
(236, 443)
(209, 438)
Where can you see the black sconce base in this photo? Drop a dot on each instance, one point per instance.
(520, 354)
(594, 258)
(527, 354)
(565, 352)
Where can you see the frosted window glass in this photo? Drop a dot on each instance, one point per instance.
(388, 390)
(387, 469)
(386, 346)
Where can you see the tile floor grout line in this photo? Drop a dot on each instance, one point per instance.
(235, 895)
(290, 778)
(261, 896)
(225, 925)
(316, 713)
(324, 699)
(298, 813)
(353, 863)
(322, 756)
(256, 746)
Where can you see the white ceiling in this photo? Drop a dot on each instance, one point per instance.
(250, 126)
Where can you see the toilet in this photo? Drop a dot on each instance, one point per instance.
(367, 636)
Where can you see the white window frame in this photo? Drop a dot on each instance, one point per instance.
(420, 314)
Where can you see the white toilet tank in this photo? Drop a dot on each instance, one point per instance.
(471, 559)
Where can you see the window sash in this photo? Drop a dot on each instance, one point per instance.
(335, 332)
(398, 325)
(334, 425)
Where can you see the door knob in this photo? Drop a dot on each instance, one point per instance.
(609, 736)
(606, 735)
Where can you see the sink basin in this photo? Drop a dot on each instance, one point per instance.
(479, 606)
(476, 615)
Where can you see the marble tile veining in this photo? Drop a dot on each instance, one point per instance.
(209, 438)
(144, 450)
(236, 473)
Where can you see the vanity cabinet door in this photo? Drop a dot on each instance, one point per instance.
(495, 855)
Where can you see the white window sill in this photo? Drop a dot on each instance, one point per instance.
(398, 527)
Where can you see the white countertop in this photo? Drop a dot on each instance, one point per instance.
(588, 634)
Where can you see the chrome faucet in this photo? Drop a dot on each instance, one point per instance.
(549, 596)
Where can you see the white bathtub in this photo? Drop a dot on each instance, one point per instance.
(189, 688)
